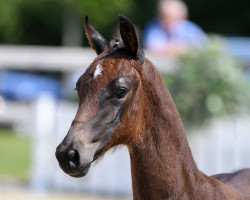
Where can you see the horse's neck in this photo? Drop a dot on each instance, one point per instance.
(161, 161)
(162, 165)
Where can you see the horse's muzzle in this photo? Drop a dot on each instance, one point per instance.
(69, 161)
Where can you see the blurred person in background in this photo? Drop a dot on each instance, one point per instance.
(172, 34)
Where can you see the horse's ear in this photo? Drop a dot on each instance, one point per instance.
(97, 41)
(129, 38)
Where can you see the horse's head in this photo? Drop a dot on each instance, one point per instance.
(108, 113)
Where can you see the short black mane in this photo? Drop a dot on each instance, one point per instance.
(116, 45)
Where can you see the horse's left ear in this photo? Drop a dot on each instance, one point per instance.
(129, 38)
(96, 40)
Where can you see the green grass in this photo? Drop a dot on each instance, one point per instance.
(14, 156)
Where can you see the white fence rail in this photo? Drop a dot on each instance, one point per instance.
(223, 147)
(64, 59)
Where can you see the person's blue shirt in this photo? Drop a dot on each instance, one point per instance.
(183, 33)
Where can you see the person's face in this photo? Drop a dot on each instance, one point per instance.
(170, 14)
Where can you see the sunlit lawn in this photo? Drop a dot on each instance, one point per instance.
(14, 156)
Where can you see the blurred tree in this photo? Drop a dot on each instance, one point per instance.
(210, 84)
(41, 22)
(45, 22)
(30, 22)
(221, 16)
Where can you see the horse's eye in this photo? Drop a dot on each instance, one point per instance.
(120, 93)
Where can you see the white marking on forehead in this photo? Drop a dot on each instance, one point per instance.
(98, 71)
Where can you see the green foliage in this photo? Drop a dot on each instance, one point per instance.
(210, 83)
(40, 22)
(15, 156)
(30, 22)
(221, 16)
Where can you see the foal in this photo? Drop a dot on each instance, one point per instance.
(123, 100)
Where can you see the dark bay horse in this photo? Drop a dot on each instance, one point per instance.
(124, 101)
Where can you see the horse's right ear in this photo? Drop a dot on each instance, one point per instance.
(129, 38)
(96, 40)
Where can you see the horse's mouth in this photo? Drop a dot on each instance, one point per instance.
(81, 172)
(73, 166)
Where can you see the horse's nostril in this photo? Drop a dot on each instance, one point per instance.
(71, 154)
(73, 158)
